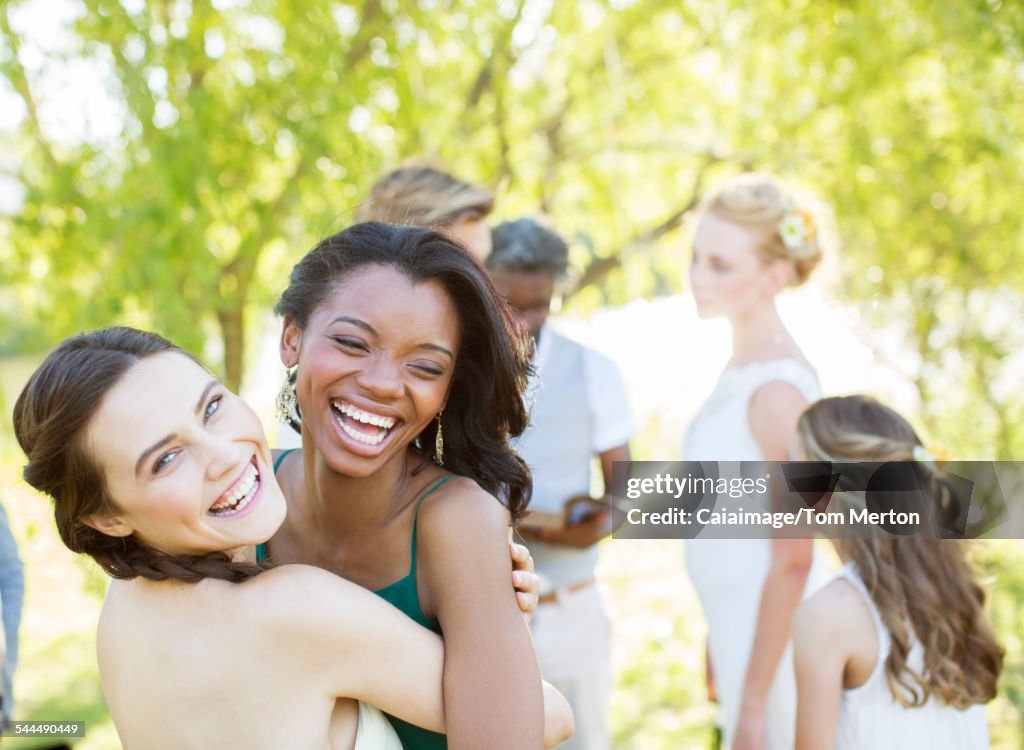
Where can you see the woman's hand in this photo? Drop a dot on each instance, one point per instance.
(559, 723)
(524, 580)
(750, 729)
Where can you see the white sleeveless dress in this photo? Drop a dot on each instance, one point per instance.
(728, 574)
(871, 719)
(375, 731)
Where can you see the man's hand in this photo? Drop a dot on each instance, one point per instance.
(588, 522)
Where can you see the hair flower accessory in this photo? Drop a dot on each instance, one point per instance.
(796, 228)
(929, 457)
(923, 456)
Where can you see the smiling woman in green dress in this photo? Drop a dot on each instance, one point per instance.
(406, 373)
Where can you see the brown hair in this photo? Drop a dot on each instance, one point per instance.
(51, 418)
(921, 587)
(758, 203)
(423, 196)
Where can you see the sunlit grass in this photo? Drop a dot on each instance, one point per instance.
(57, 678)
(658, 701)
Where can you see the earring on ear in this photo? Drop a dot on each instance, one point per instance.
(286, 406)
(439, 442)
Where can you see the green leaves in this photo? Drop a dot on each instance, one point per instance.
(252, 129)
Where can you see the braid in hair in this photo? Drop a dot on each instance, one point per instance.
(126, 558)
(51, 417)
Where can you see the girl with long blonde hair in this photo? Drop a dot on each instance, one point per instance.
(896, 652)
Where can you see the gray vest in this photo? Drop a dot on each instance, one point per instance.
(556, 446)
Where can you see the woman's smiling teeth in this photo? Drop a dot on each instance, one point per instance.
(354, 421)
(239, 494)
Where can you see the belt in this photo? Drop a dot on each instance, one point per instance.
(553, 596)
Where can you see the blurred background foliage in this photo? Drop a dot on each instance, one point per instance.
(170, 160)
(246, 130)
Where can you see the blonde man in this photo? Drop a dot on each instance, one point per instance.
(425, 196)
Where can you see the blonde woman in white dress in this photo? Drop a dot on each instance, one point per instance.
(896, 652)
(752, 242)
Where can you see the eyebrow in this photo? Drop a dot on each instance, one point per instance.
(373, 331)
(436, 348)
(356, 322)
(164, 441)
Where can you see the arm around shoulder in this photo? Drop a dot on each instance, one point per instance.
(353, 642)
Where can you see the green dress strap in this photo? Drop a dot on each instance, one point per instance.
(416, 517)
(261, 549)
(404, 595)
(277, 463)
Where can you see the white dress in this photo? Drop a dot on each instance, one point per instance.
(728, 574)
(871, 719)
(375, 731)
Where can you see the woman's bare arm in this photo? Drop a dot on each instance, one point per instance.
(492, 685)
(773, 414)
(353, 642)
(819, 655)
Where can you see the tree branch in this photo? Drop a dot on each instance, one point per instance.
(361, 43)
(552, 134)
(243, 265)
(641, 242)
(506, 173)
(19, 80)
(502, 45)
(134, 85)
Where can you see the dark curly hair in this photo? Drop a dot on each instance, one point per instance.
(485, 404)
(51, 417)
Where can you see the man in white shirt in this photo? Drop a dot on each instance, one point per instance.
(579, 411)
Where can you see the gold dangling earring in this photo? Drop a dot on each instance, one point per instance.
(286, 406)
(439, 442)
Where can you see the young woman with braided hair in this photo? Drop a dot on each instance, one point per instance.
(164, 477)
(896, 652)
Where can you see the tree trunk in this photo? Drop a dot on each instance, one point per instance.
(232, 328)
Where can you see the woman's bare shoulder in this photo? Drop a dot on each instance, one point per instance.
(835, 611)
(295, 580)
(290, 598)
(461, 503)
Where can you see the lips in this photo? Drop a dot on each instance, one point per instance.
(363, 426)
(240, 494)
(704, 304)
